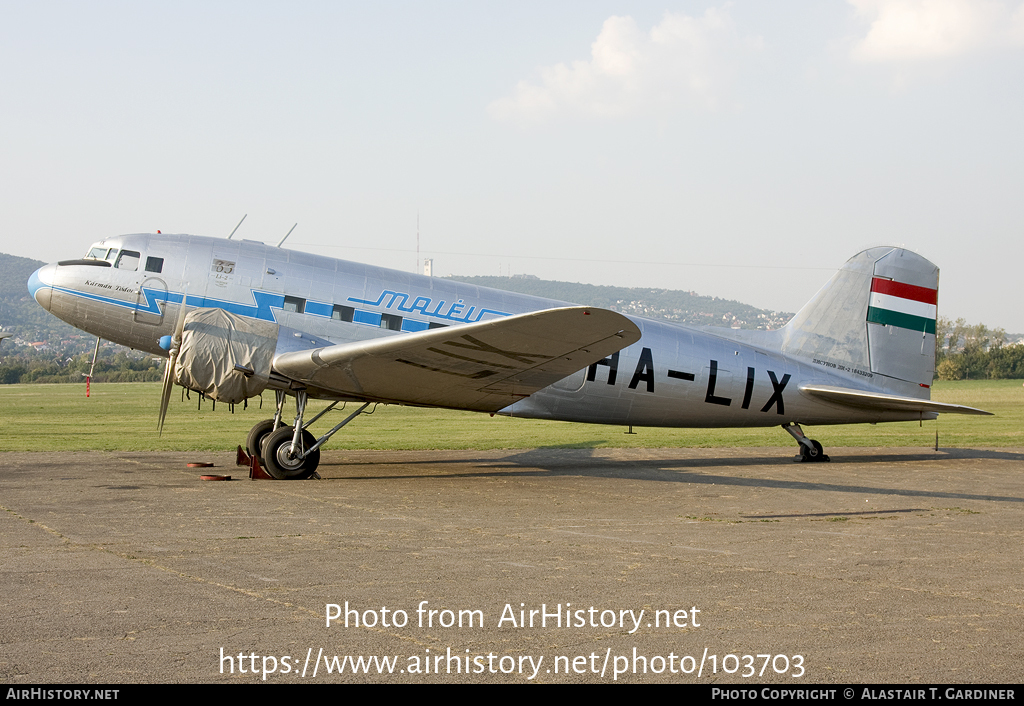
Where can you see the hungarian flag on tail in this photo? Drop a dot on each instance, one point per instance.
(906, 306)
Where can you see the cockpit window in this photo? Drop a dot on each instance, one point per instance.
(101, 253)
(128, 260)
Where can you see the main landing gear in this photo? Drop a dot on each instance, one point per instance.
(291, 452)
(810, 450)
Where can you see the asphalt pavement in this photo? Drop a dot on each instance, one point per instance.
(715, 566)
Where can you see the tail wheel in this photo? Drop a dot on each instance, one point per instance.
(814, 453)
(282, 461)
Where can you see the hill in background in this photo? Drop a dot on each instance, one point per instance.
(21, 316)
(668, 304)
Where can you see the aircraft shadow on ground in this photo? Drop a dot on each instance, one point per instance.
(581, 462)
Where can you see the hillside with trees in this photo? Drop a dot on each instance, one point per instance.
(42, 348)
(20, 315)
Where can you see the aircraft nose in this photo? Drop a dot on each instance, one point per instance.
(40, 285)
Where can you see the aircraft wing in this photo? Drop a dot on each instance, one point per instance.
(882, 402)
(483, 366)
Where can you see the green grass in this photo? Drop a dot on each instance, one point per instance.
(122, 417)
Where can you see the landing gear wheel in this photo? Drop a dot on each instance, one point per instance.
(279, 460)
(254, 442)
(813, 455)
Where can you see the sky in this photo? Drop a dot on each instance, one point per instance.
(741, 149)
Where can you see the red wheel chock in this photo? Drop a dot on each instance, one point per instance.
(256, 471)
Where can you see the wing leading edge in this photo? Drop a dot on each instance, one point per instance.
(863, 399)
(484, 366)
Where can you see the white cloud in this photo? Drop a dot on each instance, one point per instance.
(903, 30)
(682, 60)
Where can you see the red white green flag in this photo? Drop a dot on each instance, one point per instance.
(907, 306)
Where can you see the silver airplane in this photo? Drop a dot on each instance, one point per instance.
(237, 317)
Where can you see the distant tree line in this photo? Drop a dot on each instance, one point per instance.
(974, 352)
(119, 367)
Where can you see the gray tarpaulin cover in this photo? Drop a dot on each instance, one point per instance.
(213, 342)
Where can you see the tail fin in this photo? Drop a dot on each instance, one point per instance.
(875, 318)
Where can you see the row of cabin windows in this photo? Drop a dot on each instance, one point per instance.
(391, 322)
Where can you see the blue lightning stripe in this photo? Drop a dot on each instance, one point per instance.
(264, 303)
(265, 306)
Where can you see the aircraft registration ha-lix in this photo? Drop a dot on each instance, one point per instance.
(237, 317)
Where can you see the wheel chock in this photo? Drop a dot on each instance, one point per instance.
(256, 471)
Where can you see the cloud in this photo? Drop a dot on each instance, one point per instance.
(915, 30)
(681, 61)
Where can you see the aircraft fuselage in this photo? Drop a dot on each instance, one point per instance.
(674, 376)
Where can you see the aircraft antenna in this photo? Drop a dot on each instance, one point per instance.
(286, 235)
(417, 270)
(236, 227)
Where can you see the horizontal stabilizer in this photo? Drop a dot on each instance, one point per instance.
(483, 366)
(878, 401)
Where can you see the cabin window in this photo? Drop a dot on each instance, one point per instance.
(154, 264)
(343, 313)
(391, 322)
(128, 260)
(294, 304)
(434, 324)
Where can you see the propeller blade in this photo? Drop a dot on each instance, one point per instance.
(172, 360)
(165, 394)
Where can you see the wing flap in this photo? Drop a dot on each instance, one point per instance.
(863, 399)
(483, 366)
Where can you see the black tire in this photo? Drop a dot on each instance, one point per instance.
(254, 442)
(812, 455)
(278, 461)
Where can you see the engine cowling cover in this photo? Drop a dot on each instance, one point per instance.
(213, 342)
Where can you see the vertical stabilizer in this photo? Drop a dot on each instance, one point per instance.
(875, 317)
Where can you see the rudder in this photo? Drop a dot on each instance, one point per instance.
(875, 317)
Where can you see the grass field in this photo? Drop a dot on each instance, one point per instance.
(122, 417)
